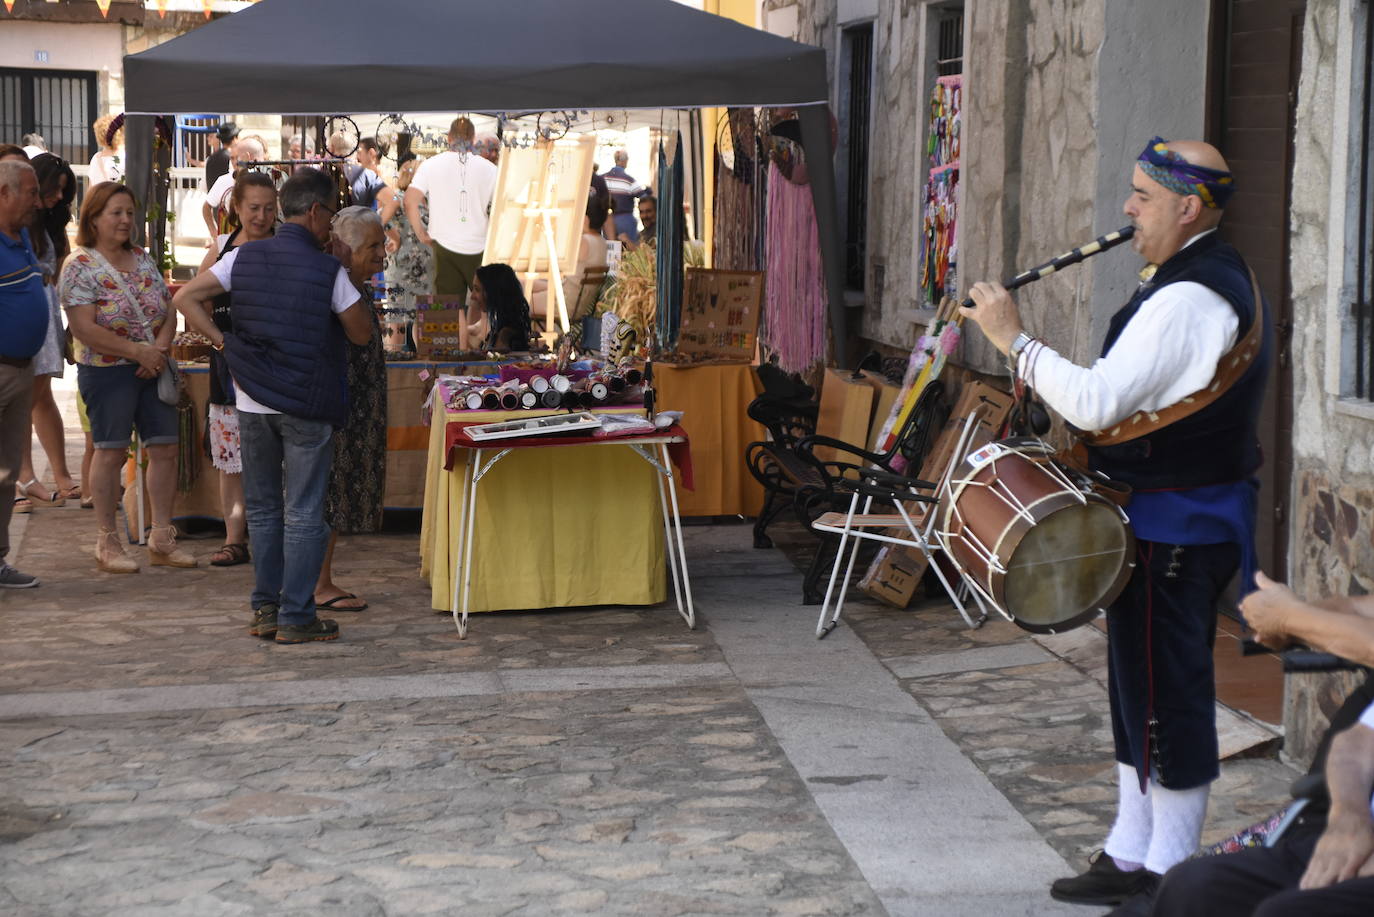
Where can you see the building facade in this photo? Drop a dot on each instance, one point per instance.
(1058, 98)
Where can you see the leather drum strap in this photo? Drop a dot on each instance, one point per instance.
(1229, 370)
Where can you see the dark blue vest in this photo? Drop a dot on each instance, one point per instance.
(1219, 444)
(287, 348)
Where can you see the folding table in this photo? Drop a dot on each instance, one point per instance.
(662, 451)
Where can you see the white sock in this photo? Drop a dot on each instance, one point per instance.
(1129, 840)
(1178, 818)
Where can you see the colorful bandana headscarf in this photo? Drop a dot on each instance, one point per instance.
(1182, 177)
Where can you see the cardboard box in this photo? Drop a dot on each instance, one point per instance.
(845, 413)
(896, 571)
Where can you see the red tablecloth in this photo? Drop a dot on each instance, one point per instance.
(680, 451)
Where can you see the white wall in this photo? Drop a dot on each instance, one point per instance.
(1144, 88)
(70, 46)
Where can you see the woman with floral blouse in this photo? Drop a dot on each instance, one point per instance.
(117, 308)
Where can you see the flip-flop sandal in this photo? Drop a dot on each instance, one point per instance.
(70, 493)
(231, 555)
(333, 604)
(23, 505)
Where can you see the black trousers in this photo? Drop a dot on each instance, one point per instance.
(1162, 687)
(1261, 882)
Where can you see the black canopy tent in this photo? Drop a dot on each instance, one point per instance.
(296, 57)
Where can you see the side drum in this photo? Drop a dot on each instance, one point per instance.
(1045, 549)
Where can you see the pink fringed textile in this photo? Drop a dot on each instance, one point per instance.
(795, 309)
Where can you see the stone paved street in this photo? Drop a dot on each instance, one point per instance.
(158, 760)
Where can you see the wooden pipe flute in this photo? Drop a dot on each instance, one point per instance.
(1096, 246)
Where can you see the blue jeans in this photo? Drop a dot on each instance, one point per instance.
(285, 473)
(625, 225)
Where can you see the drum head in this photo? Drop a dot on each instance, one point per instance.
(1069, 567)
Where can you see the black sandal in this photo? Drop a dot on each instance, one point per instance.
(231, 555)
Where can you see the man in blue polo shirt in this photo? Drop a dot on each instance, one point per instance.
(23, 325)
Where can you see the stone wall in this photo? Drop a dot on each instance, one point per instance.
(1030, 154)
(1041, 79)
(1333, 506)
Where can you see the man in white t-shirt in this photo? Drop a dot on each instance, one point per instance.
(249, 148)
(458, 185)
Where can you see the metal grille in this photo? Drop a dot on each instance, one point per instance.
(58, 104)
(1364, 321)
(860, 42)
(193, 138)
(950, 44)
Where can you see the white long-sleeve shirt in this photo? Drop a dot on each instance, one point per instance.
(1168, 350)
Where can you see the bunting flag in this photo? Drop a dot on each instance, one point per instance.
(104, 7)
(206, 4)
(9, 6)
(162, 9)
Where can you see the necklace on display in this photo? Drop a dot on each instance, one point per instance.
(463, 186)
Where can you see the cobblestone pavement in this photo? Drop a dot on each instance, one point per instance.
(157, 760)
(1035, 723)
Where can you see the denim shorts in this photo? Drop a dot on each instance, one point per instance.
(118, 402)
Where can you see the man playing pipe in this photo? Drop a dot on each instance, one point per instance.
(1193, 502)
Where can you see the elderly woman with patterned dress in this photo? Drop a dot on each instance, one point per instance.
(117, 305)
(357, 478)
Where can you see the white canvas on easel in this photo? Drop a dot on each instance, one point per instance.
(537, 210)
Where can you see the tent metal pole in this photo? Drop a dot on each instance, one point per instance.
(820, 164)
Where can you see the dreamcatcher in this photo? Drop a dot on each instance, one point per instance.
(346, 127)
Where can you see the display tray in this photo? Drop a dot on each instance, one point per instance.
(535, 426)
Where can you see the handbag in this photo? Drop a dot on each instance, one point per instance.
(169, 383)
(169, 380)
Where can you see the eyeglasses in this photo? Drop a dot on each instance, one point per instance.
(332, 213)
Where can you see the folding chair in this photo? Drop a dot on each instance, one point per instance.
(865, 525)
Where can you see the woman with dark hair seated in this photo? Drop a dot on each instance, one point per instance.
(502, 313)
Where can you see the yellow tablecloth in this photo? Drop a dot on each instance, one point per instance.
(713, 399)
(556, 527)
(407, 438)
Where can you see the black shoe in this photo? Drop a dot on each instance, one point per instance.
(1139, 904)
(264, 622)
(314, 629)
(1103, 883)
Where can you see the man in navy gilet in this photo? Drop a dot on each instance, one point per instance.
(292, 307)
(1193, 503)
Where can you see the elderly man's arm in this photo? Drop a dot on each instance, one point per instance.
(194, 301)
(414, 197)
(1346, 848)
(1343, 626)
(208, 213)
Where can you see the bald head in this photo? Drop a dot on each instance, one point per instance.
(1199, 154)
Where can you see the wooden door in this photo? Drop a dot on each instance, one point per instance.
(1254, 69)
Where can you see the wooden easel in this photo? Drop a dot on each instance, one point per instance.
(537, 222)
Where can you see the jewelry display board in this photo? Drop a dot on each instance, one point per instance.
(720, 313)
